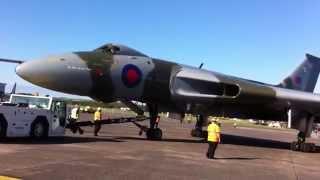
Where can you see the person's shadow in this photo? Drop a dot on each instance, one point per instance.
(227, 139)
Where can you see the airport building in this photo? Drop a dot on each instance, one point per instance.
(2, 89)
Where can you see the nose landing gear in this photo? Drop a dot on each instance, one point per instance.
(197, 131)
(153, 133)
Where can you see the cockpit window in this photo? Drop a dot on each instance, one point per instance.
(108, 48)
(119, 50)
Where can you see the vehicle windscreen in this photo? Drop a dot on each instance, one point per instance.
(31, 102)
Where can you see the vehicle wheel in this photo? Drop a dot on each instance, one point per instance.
(294, 146)
(39, 130)
(3, 128)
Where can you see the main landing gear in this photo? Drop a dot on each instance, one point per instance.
(301, 144)
(197, 131)
(153, 132)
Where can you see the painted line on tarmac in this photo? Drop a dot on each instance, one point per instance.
(8, 178)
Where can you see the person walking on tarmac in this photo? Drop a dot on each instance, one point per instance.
(157, 122)
(74, 117)
(213, 137)
(97, 118)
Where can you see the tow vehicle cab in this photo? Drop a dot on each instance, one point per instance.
(28, 115)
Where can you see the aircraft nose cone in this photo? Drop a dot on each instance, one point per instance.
(29, 70)
(19, 70)
(55, 73)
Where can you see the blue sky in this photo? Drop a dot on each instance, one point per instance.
(260, 40)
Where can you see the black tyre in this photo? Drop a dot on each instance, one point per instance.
(157, 134)
(308, 147)
(154, 134)
(149, 134)
(305, 147)
(313, 147)
(39, 129)
(3, 128)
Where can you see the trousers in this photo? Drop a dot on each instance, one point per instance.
(211, 149)
(97, 127)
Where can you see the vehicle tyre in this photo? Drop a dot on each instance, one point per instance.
(3, 128)
(39, 129)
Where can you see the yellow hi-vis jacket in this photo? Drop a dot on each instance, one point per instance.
(97, 116)
(213, 131)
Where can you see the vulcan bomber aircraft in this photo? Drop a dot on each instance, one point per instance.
(115, 72)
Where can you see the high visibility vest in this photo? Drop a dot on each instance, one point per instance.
(97, 116)
(213, 131)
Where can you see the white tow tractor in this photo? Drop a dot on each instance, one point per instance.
(32, 116)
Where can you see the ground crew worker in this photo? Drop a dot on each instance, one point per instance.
(97, 118)
(157, 122)
(74, 118)
(213, 137)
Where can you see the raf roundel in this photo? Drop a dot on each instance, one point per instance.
(131, 75)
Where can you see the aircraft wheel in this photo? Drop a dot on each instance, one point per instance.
(154, 134)
(196, 133)
(294, 146)
(307, 147)
(313, 147)
(158, 134)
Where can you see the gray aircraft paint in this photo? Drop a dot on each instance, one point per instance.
(54, 75)
(178, 88)
(120, 90)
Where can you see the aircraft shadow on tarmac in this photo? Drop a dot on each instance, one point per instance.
(256, 142)
(164, 139)
(237, 158)
(57, 140)
(228, 139)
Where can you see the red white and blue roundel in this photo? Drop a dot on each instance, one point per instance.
(131, 75)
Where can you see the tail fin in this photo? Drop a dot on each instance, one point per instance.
(305, 77)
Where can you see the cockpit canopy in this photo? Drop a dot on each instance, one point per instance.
(118, 49)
